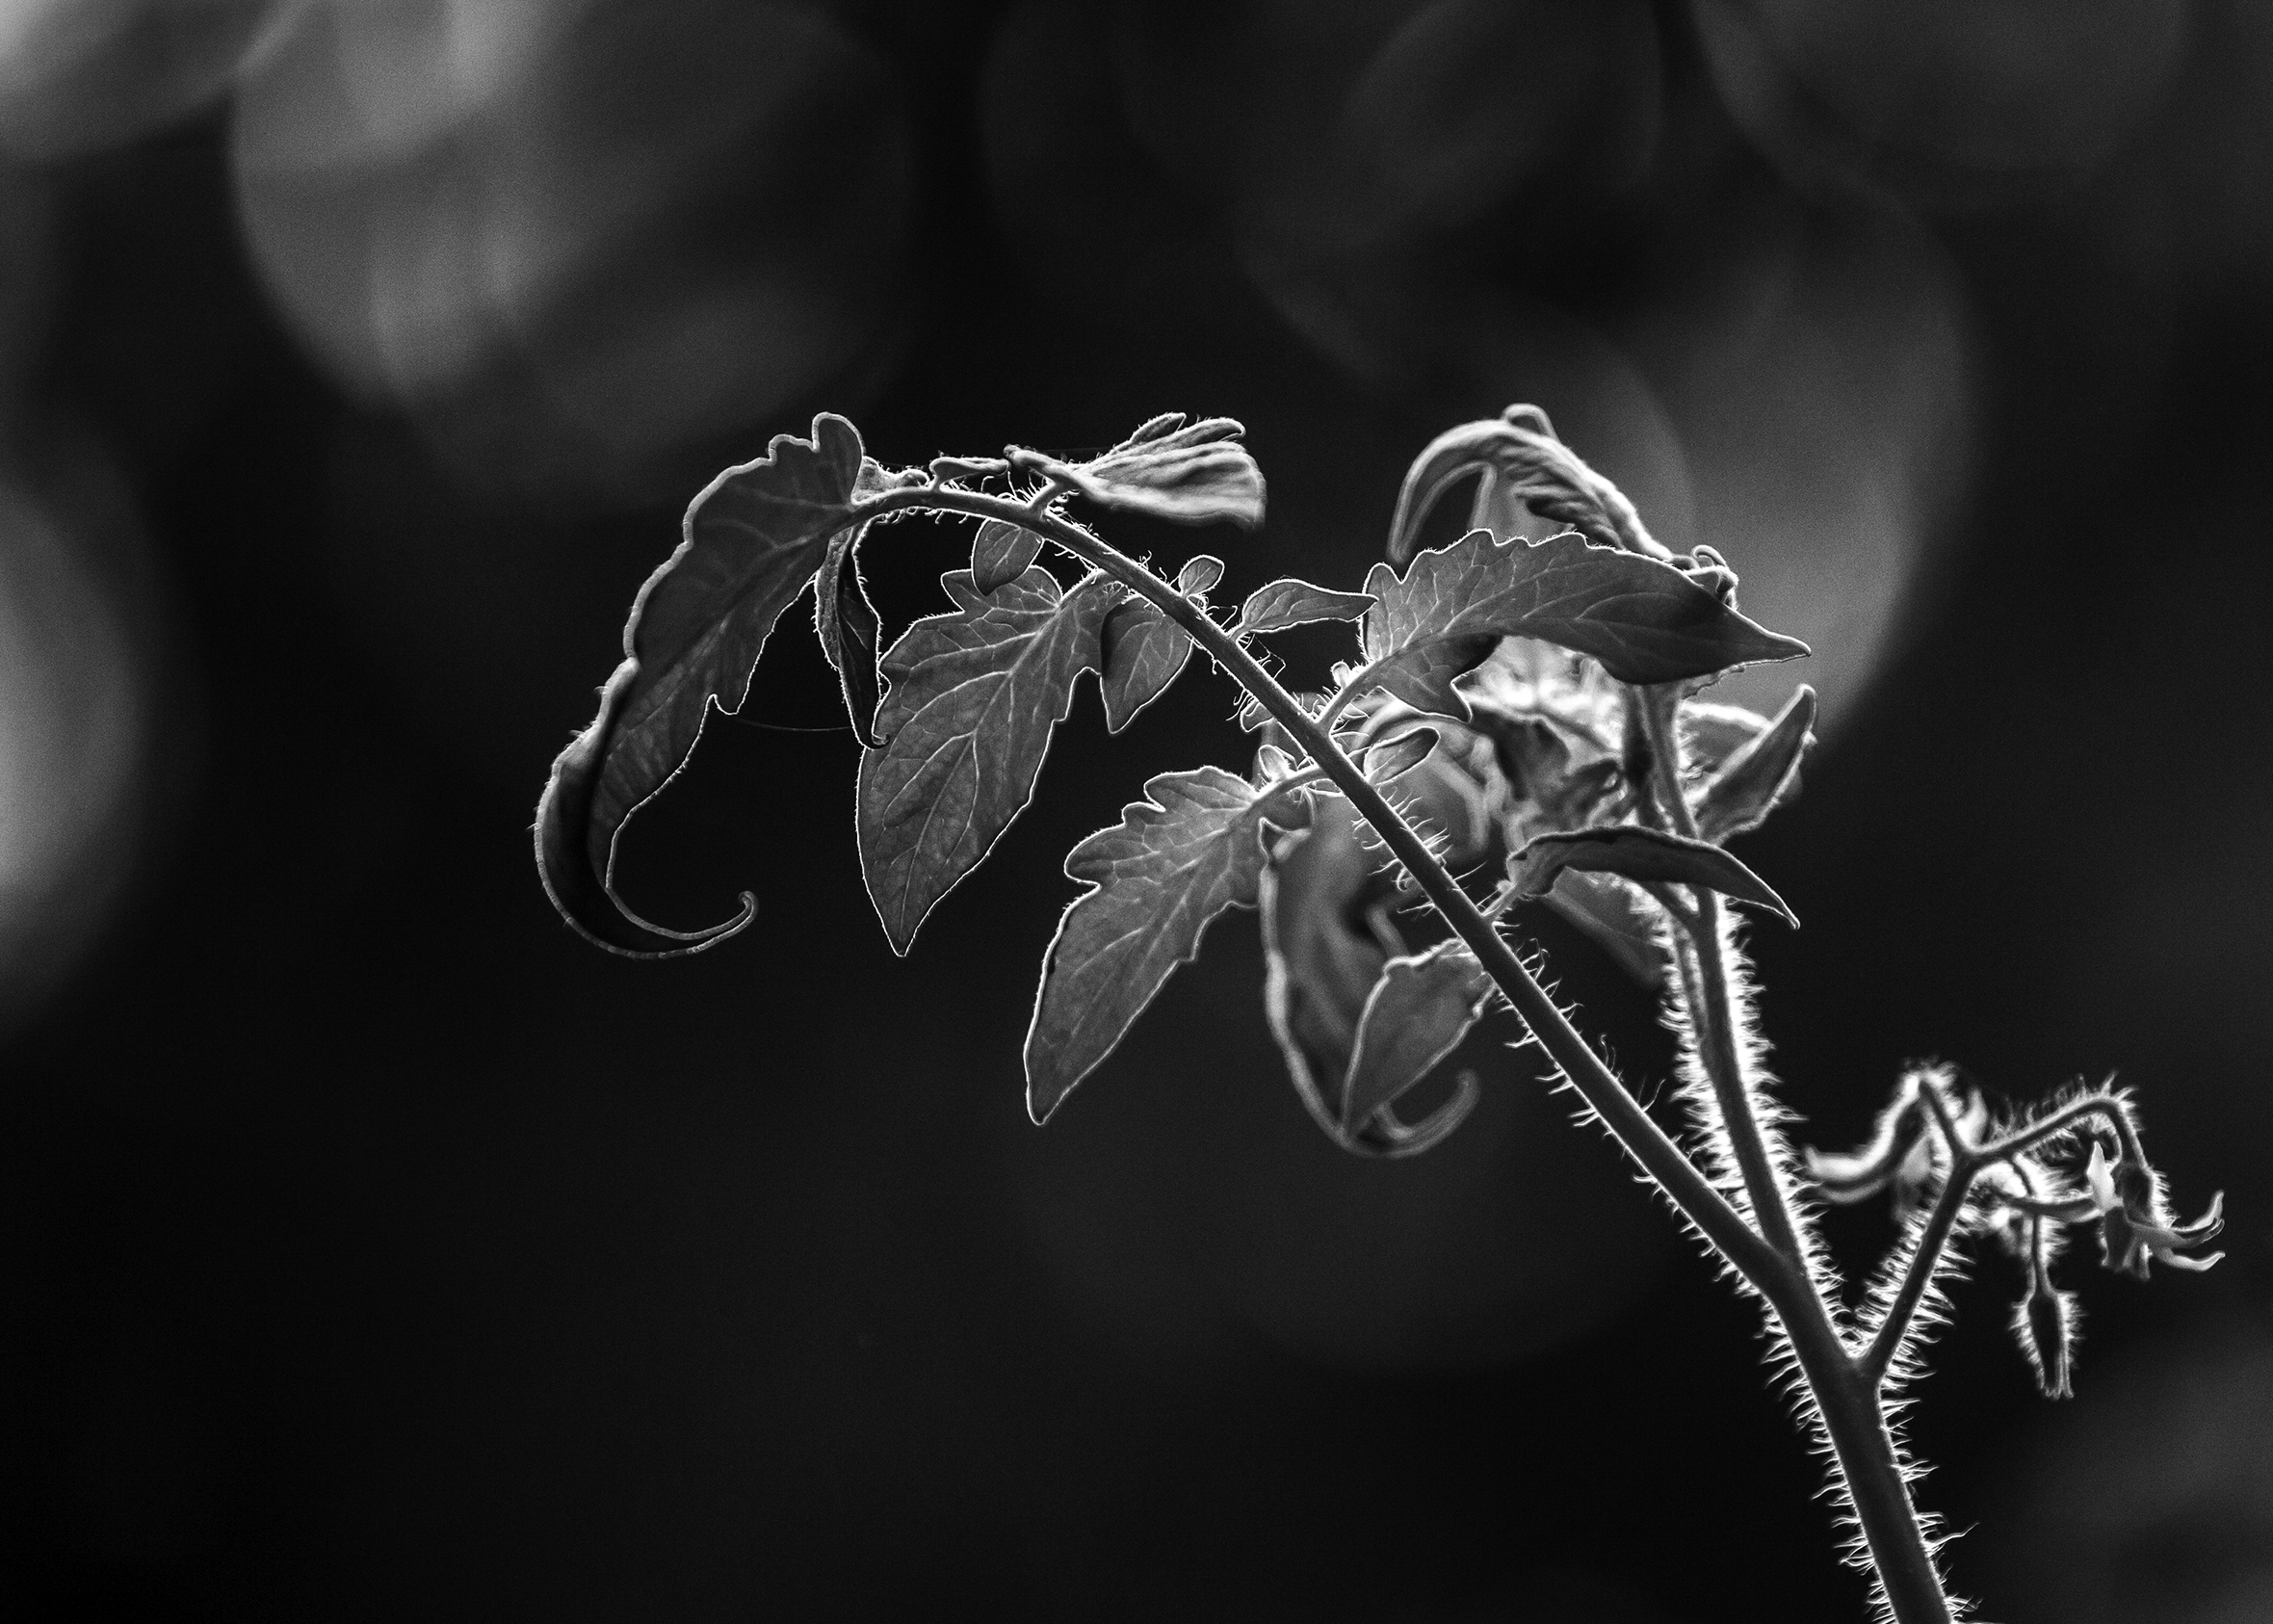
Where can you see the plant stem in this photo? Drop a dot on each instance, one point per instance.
(1845, 1393)
(1777, 1269)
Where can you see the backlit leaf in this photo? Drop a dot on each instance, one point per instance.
(1609, 912)
(1196, 475)
(751, 540)
(1645, 621)
(1416, 1014)
(1144, 650)
(1156, 881)
(851, 635)
(1001, 553)
(1635, 853)
(1281, 604)
(974, 696)
(1761, 773)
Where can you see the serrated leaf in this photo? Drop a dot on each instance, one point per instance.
(1282, 604)
(751, 541)
(1416, 1014)
(1645, 621)
(1759, 776)
(1196, 475)
(1646, 854)
(1400, 752)
(974, 697)
(1144, 652)
(1175, 862)
(1001, 553)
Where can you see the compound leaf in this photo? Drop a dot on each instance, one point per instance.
(1645, 621)
(975, 695)
(1759, 773)
(1282, 604)
(1416, 1014)
(1001, 553)
(1194, 474)
(1156, 881)
(1646, 854)
(751, 541)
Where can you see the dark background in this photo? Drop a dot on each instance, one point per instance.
(372, 1249)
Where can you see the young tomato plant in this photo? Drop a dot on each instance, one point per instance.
(1518, 716)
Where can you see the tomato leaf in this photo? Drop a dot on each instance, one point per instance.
(1645, 621)
(1609, 912)
(1524, 465)
(1144, 650)
(975, 695)
(1416, 1014)
(1647, 854)
(751, 541)
(1282, 604)
(1196, 475)
(1156, 881)
(851, 635)
(1759, 774)
(1001, 553)
(1326, 938)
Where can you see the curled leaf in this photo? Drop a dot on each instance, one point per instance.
(1635, 853)
(850, 633)
(974, 696)
(751, 541)
(1282, 604)
(1416, 1014)
(1759, 774)
(1194, 474)
(1156, 881)
(1523, 464)
(1001, 553)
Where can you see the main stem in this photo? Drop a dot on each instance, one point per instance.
(1774, 1267)
(1846, 1390)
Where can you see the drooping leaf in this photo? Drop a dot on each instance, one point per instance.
(1326, 938)
(1196, 475)
(1399, 753)
(751, 540)
(1416, 1014)
(1639, 853)
(1156, 881)
(1524, 465)
(1645, 621)
(1001, 553)
(1761, 774)
(975, 695)
(1282, 604)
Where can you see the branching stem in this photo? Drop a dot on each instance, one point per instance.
(1775, 1265)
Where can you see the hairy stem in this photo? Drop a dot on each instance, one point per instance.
(1845, 1393)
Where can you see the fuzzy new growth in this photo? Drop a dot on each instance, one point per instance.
(1558, 677)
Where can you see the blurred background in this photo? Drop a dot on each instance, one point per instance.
(370, 1249)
